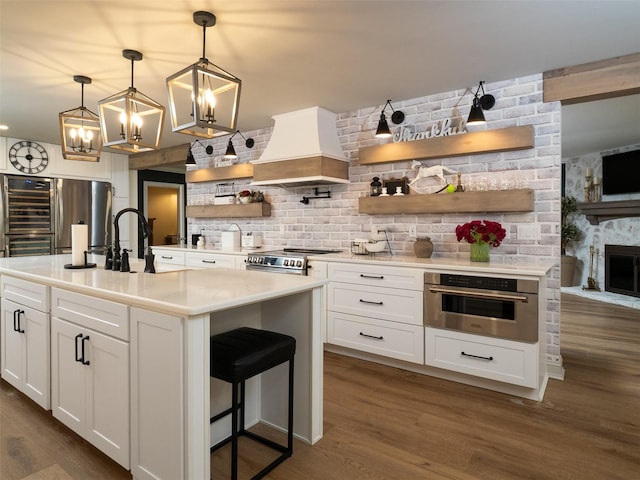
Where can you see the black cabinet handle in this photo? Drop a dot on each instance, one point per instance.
(377, 277)
(16, 321)
(84, 362)
(208, 261)
(78, 358)
(370, 302)
(488, 359)
(371, 336)
(166, 257)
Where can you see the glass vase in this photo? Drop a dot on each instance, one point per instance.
(479, 252)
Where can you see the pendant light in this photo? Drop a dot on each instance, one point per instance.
(203, 98)
(130, 120)
(231, 151)
(80, 130)
(485, 102)
(397, 117)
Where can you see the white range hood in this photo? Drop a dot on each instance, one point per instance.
(304, 149)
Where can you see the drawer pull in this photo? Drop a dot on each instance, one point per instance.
(372, 336)
(208, 261)
(370, 302)
(78, 358)
(488, 359)
(166, 257)
(84, 362)
(377, 277)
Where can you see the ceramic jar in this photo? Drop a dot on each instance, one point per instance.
(423, 247)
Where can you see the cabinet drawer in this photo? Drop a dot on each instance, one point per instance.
(210, 260)
(104, 316)
(377, 275)
(173, 258)
(493, 358)
(385, 303)
(26, 293)
(395, 340)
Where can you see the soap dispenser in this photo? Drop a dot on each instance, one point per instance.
(124, 265)
(149, 258)
(108, 261)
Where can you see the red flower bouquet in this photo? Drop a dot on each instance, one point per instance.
(483, 231)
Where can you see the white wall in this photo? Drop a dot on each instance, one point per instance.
(336, 222)
(622, 231)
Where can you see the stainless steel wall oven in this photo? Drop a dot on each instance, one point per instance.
(498, 307)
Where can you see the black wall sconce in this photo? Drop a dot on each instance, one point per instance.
(231, 152)
(397, 117)
(190, 158)
(485, 102)
(317, 194)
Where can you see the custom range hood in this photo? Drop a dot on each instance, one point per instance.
(303, 150)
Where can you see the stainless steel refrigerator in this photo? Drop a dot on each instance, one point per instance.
(82, 201)
(36, 214)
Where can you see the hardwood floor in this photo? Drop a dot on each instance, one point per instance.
(382, 423)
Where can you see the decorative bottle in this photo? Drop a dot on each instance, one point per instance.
(376, 187)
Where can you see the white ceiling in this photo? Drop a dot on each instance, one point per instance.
(341, 55)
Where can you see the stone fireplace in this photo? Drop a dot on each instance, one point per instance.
(622, 269)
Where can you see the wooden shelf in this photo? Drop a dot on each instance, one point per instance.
(602, 211)
(486, 141)
(220, 174)
(250, 210)
(520, 200)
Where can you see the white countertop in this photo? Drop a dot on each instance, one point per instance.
(181, 292)
(453, 264)
(460, 264)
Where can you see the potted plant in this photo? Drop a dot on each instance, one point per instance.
(569, 234)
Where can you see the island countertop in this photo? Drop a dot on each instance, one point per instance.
(182, 292)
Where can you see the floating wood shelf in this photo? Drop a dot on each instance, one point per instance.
(602, 211)
(219, 174)
(250, 210)
(486, 141)
(520, 200)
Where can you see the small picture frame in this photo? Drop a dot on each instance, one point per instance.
(393, 183)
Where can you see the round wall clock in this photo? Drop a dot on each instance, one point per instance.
(28, 157)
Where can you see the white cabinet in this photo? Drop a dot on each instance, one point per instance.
(487, 357)
(24, 337)
(169, 257)
(90, 370)
(209, 260)
(376, 309)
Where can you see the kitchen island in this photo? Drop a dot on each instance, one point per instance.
(162, 323)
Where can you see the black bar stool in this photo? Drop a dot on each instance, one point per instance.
(236, 356)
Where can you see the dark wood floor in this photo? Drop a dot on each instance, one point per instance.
(382, 423)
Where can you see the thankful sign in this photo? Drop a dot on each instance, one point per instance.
(438, 129)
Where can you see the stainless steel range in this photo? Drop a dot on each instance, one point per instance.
(288, 260)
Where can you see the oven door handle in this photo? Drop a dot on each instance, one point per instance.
(469, 293)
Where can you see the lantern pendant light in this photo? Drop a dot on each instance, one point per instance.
(80, 130)
(203, 98)
(130, 120)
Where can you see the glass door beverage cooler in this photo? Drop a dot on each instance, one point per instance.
(27, 216)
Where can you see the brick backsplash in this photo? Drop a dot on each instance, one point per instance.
(335, 222)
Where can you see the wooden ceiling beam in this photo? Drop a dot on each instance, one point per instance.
(170, 156)
(614, 77)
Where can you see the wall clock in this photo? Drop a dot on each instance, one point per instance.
(28, 157)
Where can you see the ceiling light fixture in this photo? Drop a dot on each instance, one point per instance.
(190, 158)
(231, 151)
(485, 102)
(203, 98)
(80, 130)
(123, 116)
(397, 117)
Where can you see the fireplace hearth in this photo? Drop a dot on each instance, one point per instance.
(622, 269)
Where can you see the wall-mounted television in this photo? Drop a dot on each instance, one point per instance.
(621, 173)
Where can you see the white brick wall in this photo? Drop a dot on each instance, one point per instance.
(335, 222)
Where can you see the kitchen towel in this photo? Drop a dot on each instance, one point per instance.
(79, 243)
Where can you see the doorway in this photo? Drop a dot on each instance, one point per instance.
(162, 199)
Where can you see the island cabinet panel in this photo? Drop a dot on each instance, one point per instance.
(90, 370)
(376, 309)
(157, 396)
(24, 350)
